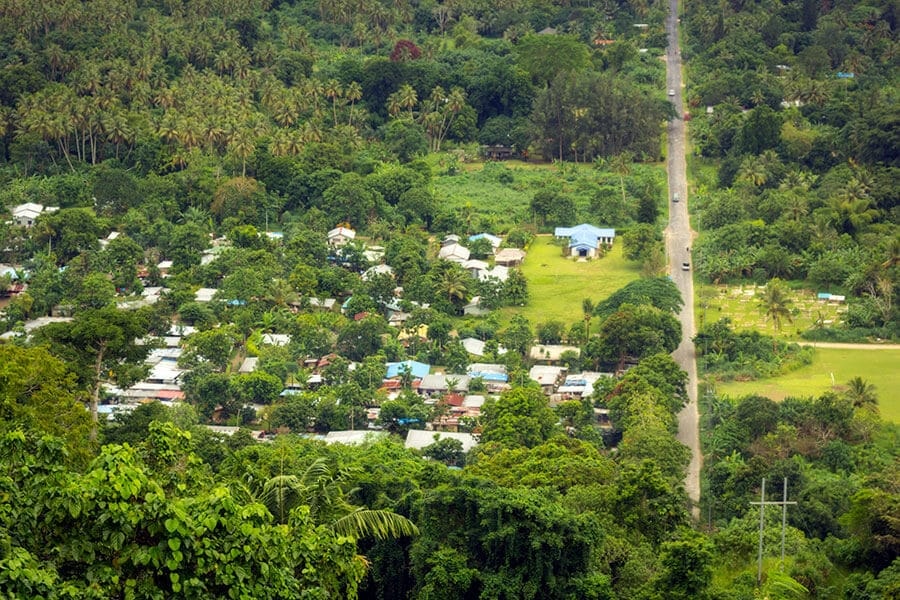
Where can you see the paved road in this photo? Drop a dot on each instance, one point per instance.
(678, 237)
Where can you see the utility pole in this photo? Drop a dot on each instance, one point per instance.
(762, 507)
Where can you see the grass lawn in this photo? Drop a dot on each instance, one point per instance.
(557, 285)
(878, 367)
(741, 304)
(497, 195)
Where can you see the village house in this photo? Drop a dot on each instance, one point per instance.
(509, 257)
(493, 239)
(580, 385)
(551, 353)
(488, 372)
(415, 370)
(585, 240)
(547, 376)
(476, 347)
(24, 215)
(340, 236)
(439, 383)
(419, 439)
(454, 253)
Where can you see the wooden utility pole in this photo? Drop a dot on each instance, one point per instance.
(762, 508)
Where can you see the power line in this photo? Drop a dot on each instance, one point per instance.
(762, 508)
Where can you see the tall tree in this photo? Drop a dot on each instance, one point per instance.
(101, 344)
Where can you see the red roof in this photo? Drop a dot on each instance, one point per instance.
(453, 399)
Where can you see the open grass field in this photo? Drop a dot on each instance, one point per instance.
(740, 303)
(500, 192)
(557, 284)
(878, 367)
(497, 195)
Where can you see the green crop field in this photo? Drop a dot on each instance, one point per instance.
(740, 303)
(557, 284)
(878, 367)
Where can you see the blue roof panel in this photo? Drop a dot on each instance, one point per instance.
(417, 370)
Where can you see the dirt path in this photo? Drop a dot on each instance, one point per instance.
(843, 346)
(678, 236)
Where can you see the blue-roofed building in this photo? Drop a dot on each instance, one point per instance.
(495, 373)
(586, 239)
(416, 369)
(493, 239)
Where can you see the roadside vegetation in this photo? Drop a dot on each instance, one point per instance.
(793, 195)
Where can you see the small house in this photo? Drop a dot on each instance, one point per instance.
(551, 353)
(376, 270)
(439, 383)
(475, 267)
(498, 272)
(454, 253)
(420, 439)
(496, 152)
(474, 308)
(416, 369)
(476, 347)
(205, 294)
(24, 215)
(548, 377)
(276, 339)
(488, 372)
(340, 236)
(509, 257)
(249, 365)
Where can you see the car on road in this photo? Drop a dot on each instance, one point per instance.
(685, 266)
(675, 197)
(671, 92)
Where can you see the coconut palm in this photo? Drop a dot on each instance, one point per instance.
(407, 98)
(242, 145)
(862, 394)
(776, 303)
(333, 90)
(587, 309)
(454, 285)
(352, 93)
(324, 489)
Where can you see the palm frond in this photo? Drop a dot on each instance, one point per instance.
(280, 494)
(380, 524)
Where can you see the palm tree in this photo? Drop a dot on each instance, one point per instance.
(407, 98)
(324, 489)
(281, 293)
(352, 93)
(243, 145)
(862, 394)
(333, 90)
(117, 128)
(587, 309)
(754, 171)
(454, 286)
(776, 303)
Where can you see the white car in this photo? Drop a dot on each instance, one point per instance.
(675, 197)
(685, 266)
(671, 92)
